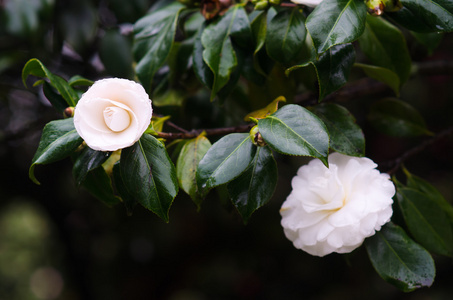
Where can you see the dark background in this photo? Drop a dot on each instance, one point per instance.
(58, 242)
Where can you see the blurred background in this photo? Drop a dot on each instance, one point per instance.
(58, 242)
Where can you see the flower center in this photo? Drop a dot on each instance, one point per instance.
(116, 118)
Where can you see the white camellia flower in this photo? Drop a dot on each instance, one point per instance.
(113, 114)
(311, 3)
(334, 209)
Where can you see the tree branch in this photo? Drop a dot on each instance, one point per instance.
(396, 163)
(209, 132)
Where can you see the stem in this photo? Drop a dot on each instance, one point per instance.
(396, 163)
(212, 131)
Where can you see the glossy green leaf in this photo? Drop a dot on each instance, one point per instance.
(425, 15)
(154, 38)
(255, 187)
(336, 22)
(399, 260)
(87, 161)
(36, 68)
(149, 175)
(225, 160)
(99, 184)
(259, 29)
(201, 69)
(294, 130)
(79, 80)
(385, 46)
(332, 68)
(59, 139)
(57, 101)
(186, 166)
(397, 118)
(128, 199)
(383, 75)
(426, 221)
(345, 135)
(218, 52)
(424, 187)
(285, 35)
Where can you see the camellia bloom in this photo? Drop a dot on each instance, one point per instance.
(334, 209)
(311, 3)
(113, 114)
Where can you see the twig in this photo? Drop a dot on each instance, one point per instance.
(171, 124)
(396, 163)
(209, 132)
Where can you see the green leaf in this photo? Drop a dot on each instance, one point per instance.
(426, 220)
(383, 75)
(285, 35)
(87, 161)
(399, 260)
(346, 136)
(259, 29)
(385, 46)
(425, 15)
(57, 101)
(294, 130)
(225, 161)
(154, 38)
(422, 186)
(255, 187)
(149, 176)
(36, 68)
(200, 68)
(79, 80)
(336, 22)
(59, 139)
(218, 52)
(99, 184)
(186, 166)
(397, 118)
(128, 199)
(332, 68)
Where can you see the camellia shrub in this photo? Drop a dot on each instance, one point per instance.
(276, 70)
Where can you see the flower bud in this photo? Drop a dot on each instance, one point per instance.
(275, 2)
(377, 7)
(68, 112)
(256, 137)
(213, 8)
(262, 5)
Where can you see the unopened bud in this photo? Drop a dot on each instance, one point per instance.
(262, 5)
(68, 112)
(256, 137)
(275, 2)
(377, 7)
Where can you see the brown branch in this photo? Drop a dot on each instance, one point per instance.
(396, 163)
(209, 132)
